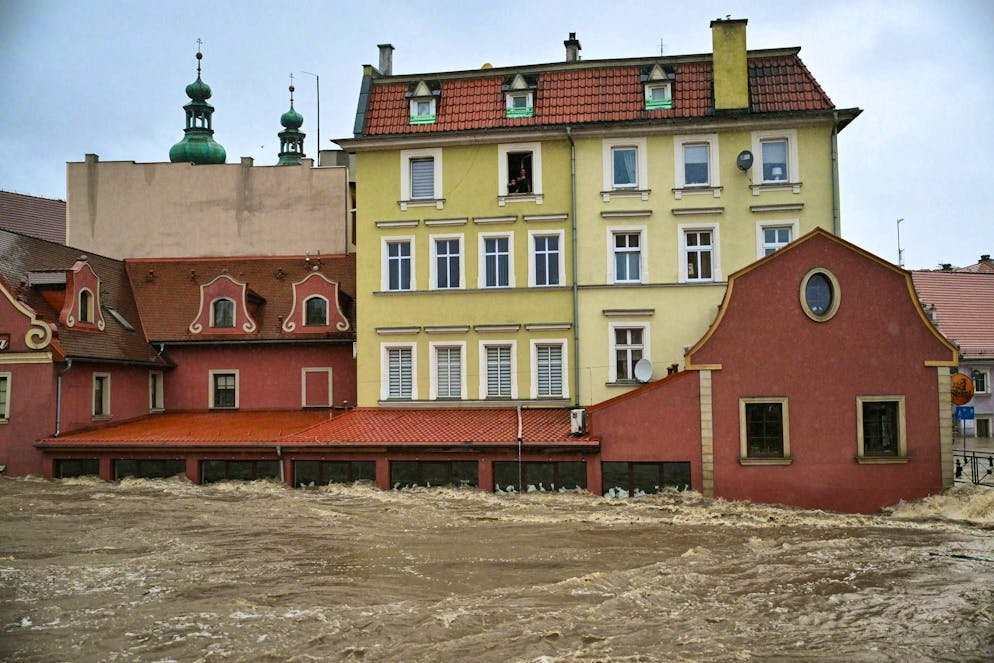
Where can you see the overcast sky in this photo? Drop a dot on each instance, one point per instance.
(108, 78)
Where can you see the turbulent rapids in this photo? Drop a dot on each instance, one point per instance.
(162, 570)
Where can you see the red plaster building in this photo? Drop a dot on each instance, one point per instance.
(820, 384)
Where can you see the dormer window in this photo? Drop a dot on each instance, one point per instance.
(658, 87)
(85, 306)
(658, 95)
(423, 104)
(222, 313)
(316, 311)
(519, 96)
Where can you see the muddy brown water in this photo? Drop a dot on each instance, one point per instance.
(161, 570)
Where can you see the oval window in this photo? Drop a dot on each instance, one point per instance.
(819, 294)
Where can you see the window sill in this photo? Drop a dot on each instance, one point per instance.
(156, 410)
(696, 190)
(102, 417)
(625, 193)
(766, 461)
(537, 198)
(220, 408)
(623, 383)
(793, 187)
(437, 203)
(4, 421)
(882, 460)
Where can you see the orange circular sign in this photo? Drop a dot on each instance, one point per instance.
(961, 389)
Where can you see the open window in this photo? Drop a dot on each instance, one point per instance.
(520, 172)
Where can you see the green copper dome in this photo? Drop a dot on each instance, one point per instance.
(291, 119)
(198, 144)
(291, 138)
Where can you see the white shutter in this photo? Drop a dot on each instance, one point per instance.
(449, 371)
(399, 366)
(550, 370)
(423, 178)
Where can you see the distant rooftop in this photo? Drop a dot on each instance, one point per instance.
(44, 218)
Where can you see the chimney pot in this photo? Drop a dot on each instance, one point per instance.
(985, 257)
(386, 59)
(572, 48)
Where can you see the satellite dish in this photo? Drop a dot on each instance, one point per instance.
(744, 160)
(643, 370)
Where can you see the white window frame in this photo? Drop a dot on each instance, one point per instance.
(420, 100)
(762, 226)
(385, 243)
(532, 257)
(106, 402)
(642, 232)
(385, 369)
(793, 164)
(327, 311)
(303, 386)
(234, 312)
(433, 348)
(503, 150)
(7, 378)
(564, 386)
(652, 85)
(513, 345)
(433, 266)
(682, 230)
(902, 440)
(528, 95)
(210, 388)
(714, 175)
(744, 456)
(156, 391)
(482, 258)
(608, 146)
(612, 367)
(406, 156)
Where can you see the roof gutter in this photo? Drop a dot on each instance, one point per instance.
(58, 397)
(576, 303)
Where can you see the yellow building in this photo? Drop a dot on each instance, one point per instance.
(528, 234)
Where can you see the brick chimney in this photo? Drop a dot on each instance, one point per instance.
(572, 48)
(731, 70)
(386, 59)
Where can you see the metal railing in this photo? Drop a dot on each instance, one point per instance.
(976, 467)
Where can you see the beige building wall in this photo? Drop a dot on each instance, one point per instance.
(124, 209)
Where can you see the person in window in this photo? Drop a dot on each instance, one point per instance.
(519, 184)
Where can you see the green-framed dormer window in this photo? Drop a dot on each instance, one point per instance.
(658, 95)
(422, 111)
(520, 104)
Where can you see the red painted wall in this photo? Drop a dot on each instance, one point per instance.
(128, 400)
(660, 422)
(876, 344)
(269, 375)
(32, 416)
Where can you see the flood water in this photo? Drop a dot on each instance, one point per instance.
(162, 570)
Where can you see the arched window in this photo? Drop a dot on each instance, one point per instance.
(85, 305)
(223, 313)
(316, 311)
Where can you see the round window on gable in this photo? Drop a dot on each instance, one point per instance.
(820, 294)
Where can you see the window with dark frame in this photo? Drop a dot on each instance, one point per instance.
(316, 311)
(410, 473)
(224, 390)
(764, 430)
(881, 428)
(619, 479)
(537, 476)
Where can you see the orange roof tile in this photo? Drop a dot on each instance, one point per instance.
(588, 94)
(417, 427)
(183, 429)
(167, 291)
(964, 308)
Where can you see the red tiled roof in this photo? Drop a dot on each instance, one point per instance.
(410, 427)
(44, 218)
(20, 254)
(183, 429)
(983, 267)
(588, 94)
(964, 308)
(168, 291)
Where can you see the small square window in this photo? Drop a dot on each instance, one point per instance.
(422, 111)
(775, 238)
(519, 104)
(658, 95)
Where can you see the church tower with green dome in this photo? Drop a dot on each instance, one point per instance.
(291, 138)
(198, 145)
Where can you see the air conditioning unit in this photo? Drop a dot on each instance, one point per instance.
(578, 421)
